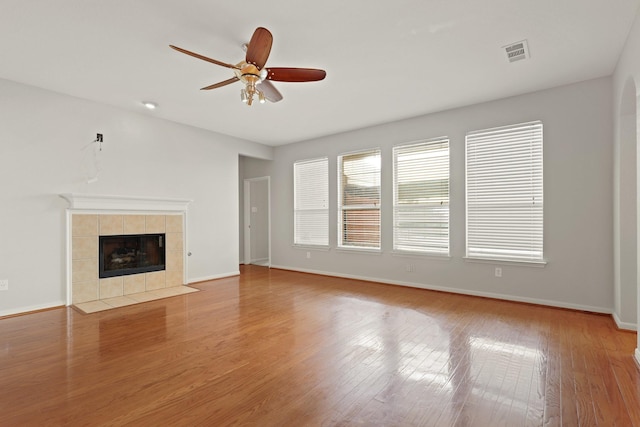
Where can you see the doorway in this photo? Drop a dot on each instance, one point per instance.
(626, 223)
(257, 221)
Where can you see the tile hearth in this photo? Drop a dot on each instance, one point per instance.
(91, 291)
(131, 299)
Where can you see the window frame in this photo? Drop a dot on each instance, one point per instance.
(297, 210)
(487, 237)
(373, 207)
(423, 214)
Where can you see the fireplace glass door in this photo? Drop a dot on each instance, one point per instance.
(131, 254)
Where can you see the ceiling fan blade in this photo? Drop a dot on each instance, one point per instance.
(259, 47)
(282, 74)
(204, 58)
(220, 84)
(270, 91)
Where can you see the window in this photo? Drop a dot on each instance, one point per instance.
(421, 197)
(311, 202)
(504, 193)
(359, 200)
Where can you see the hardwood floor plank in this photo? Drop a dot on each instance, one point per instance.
(274, 348)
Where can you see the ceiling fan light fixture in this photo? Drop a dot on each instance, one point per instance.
(251, 72)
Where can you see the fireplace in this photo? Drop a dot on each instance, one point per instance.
(131, 254)
(90, 216)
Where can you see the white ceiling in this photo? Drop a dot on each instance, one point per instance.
(385, 60)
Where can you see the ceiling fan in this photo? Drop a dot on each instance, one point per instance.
(254, 76)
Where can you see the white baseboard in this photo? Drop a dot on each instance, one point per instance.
(214, 277)
(514, 298)
(25, 310)
(624, 325)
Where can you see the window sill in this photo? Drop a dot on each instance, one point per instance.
(523, 263)
(359, 250)
(324, 248)
(416, 254)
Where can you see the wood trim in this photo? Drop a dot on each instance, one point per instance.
(25, 313)
(489, 295)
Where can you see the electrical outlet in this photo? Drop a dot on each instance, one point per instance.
(498, 272)
(4, 285)
(308, 255)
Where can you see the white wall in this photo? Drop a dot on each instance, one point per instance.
(41, 139)
(578, 174)
(626, 76)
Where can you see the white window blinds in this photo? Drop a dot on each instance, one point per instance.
(359, 200)
(311, 202)
(421, 197)
(504, 193)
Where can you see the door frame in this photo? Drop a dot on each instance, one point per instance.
(247, 218)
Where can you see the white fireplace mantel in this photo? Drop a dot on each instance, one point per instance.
(102, 202)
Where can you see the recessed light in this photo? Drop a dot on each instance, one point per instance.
(150, 105)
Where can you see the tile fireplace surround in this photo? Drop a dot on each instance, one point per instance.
(92, 216)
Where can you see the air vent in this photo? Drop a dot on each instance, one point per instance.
(517, 51)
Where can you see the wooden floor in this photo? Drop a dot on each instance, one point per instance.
(277, 348)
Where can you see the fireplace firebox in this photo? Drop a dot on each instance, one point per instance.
(131, 254)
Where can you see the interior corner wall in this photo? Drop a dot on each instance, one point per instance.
(46, 141)
(578, 186)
